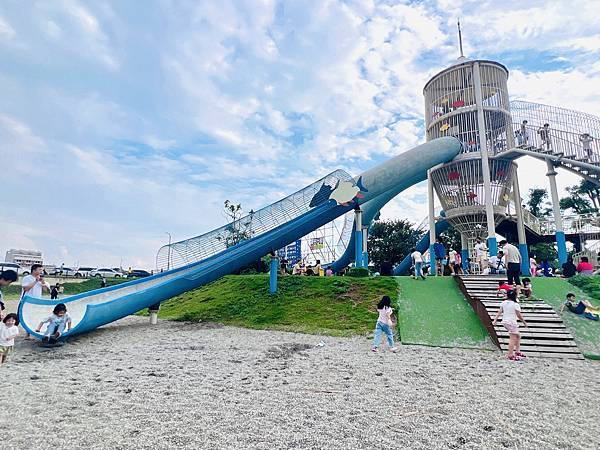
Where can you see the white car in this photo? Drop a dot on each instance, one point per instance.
(84, 272)
(14, 267)
(107, 273)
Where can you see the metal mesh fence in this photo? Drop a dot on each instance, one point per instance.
(451, 110)
(252, 225)
(570, 133)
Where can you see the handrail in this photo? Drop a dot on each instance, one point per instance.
(558, 142)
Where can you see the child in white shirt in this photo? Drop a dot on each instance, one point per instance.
(57, 322)
(8, 330)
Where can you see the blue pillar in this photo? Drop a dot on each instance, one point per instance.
(432, 267)
(492, 245)
(365, 259)
(525, 268)
(464, 252)
(464, 255)
(358, 248)
(561, 243)
(273, 275)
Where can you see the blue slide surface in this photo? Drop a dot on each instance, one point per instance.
(317, 205)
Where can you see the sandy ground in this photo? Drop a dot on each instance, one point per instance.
(194, 385)
(184, 385)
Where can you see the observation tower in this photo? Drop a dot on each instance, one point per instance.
(469, 101)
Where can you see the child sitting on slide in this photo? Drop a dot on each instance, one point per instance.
(582, 308)
(57, 322)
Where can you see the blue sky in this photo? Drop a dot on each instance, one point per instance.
(120, 122)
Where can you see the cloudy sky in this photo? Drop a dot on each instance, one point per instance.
(121, 122)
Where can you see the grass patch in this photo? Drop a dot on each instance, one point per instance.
(585, 332)
(337, 306)
(590, 285)
(434, 312)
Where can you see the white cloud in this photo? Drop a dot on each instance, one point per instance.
(6, 30)
(244, 100)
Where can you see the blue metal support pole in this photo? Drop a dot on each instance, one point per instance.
(464, 252)
(365, 253)
(273, 275)
(525, 267)
(358, 238)
(560, 234)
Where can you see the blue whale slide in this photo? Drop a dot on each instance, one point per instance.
(265, 230)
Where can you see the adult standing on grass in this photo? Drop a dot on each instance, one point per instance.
(513, 262)
(510, 310)
(6, 277)
(417, 260)
(33, 285)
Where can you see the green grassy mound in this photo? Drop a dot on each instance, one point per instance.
(590, 285)
(434, 312)
(338, 306)
(585, 332)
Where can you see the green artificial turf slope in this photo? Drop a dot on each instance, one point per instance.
(434, 312)
(585, 332)
(338, 306)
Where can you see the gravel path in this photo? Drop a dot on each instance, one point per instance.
(183, 385)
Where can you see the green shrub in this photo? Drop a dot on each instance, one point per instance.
(591, 285)
(358, 272)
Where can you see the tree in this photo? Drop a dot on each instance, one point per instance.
(575, 201)
(240, 228)
(544, 251)
(592, 190)
(538, 202)
(391, 241)
(451, 238)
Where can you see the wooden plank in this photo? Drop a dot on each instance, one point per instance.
(542, 343)
(524, 308)
(536, 348)
(536, 355)
(538, 331)
(540, 336)
(536, 318)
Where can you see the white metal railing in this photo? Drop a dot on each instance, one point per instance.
(558, 142)
(573, 224)
(572, 134)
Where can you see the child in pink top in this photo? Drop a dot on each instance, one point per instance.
(510, 311)
(384, 324)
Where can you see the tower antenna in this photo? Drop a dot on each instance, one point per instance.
(460, 40)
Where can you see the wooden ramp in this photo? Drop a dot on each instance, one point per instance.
(546, 336)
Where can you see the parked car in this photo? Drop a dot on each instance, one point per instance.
(15, 267)
(65, 271)
(139, 273)
(105, 272)
(84, 272)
